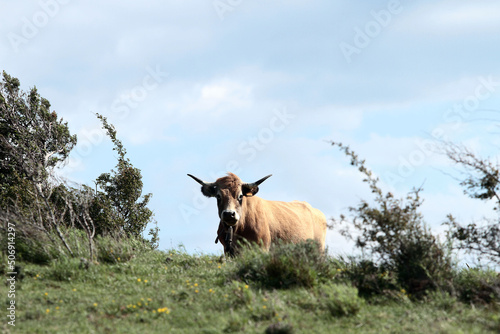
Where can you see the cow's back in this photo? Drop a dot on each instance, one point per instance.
(289, 221)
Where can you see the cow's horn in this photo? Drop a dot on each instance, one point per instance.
(256, 183)
(203, 183)
(208, 189)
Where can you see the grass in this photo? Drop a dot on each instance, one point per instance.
(173, 292)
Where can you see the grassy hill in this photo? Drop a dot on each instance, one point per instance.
(173, 292)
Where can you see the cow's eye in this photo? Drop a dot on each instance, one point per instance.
(218, 197)
(240, 198)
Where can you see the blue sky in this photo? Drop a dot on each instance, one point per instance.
(258, 88)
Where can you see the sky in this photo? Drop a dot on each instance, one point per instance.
(261, 87)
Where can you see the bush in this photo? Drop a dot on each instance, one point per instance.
(33, 143)
(120, 208)
(342, 300)
(482, 181)
(392, 231)
(285, 265)
(441, 299)
(478, 286)
(370, 279)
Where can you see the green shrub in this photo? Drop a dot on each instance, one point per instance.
(342, 300)
(393, 232)
(285, 265)
(370, 279)
(478, 286)
(482, 181)
(441, 299)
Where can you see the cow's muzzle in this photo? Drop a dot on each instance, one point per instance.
(230, 218)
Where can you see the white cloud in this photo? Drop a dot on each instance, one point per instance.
(453, 18)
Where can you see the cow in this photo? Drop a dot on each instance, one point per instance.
(248, 217)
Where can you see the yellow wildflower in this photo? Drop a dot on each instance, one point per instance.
(164, 310)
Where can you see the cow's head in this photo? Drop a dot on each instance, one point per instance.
(230, 192)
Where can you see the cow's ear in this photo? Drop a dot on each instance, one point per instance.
(249, 190)
(209, 190)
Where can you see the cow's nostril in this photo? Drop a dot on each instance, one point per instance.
(228, 215)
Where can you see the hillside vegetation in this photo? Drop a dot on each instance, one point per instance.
(173, 292)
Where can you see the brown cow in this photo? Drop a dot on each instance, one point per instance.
(258, 220)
